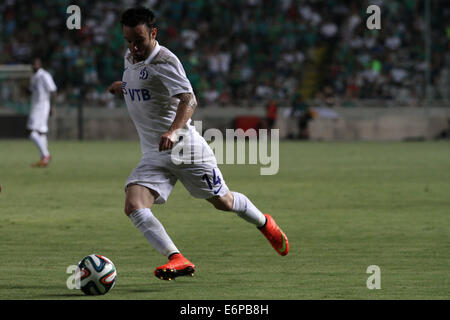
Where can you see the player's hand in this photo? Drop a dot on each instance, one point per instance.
(116, 88)
(167, 141)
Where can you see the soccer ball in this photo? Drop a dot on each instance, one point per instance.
(97, 274)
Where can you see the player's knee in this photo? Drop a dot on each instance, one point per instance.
(32, 134)
(221, 206)
(131, 206)
(127, 209)
(224, 203)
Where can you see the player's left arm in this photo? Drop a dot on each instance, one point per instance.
(52, 102)
(50, 86)
(185, 110)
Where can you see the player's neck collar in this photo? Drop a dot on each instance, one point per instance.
(154, 53)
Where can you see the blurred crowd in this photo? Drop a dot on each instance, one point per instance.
(237, 51)
(390, 63)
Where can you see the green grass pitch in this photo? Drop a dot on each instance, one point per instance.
(344, 207)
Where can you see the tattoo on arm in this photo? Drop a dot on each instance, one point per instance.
(187, 99)
(186, 108)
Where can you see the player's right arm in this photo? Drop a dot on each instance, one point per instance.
(116, 88)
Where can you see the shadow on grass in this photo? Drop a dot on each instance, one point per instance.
(32, 292)
(61, 295)
(133, 289)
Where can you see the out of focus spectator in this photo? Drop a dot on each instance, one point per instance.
(271, 114)
(301, 112)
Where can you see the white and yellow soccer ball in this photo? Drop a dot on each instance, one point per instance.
(97, 274)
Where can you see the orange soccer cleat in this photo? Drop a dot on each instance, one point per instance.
(43, 162)
(177, 266)
(275, 235)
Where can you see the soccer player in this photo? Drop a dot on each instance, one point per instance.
(160, 101)
(43, 89)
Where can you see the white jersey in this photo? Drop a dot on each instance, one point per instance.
(41, 86)
(149, 88)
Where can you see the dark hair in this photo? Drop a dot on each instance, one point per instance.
(138, 15)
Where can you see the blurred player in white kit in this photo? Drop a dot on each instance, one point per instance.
(42, 89)
(160, 101)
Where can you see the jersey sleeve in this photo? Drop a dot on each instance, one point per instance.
(173, 77)
(126, 62)
(49, 83)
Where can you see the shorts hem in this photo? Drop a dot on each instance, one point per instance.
(159, 200)
(208, 195)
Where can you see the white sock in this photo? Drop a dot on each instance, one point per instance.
(44, 140)
(246, 210)
(41, 143)
(153, 231)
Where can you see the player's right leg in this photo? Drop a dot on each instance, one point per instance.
(40, 140)
(37, 127)
(138, 203)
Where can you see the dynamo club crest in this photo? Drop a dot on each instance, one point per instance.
(143, 74)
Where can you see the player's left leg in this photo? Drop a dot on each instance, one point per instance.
(241, 205)
(37, 126)
(244, 208)
(40, 140)
(46, 157)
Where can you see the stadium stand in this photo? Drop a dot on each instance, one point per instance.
(242, 52)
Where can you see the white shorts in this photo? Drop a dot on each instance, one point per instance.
(38, 118)
(158, 172)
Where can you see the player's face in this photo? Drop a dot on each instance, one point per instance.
(36, 64)
(140, 40)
